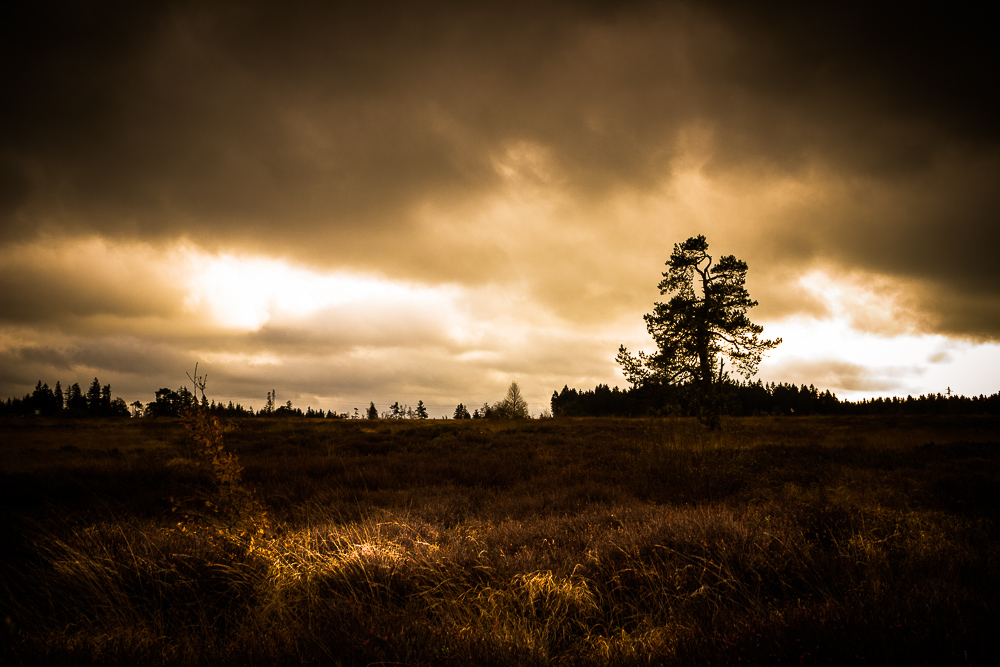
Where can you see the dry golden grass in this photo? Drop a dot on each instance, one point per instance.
(557, 542)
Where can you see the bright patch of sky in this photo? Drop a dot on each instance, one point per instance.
(245, 293)
(867, 345)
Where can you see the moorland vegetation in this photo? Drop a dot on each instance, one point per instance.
(772, 540)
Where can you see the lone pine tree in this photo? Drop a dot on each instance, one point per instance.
(704, 322)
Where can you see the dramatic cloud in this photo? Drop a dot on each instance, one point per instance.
(415, 200)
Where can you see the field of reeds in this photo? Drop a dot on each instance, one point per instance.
(794, 541)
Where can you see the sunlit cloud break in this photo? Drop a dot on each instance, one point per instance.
(245, 293)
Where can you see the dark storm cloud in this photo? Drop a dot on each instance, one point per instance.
(320, 131)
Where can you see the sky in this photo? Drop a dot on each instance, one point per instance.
(409, 201)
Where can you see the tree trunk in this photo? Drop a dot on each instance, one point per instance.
(708, 409)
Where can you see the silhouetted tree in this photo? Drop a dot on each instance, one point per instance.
(94, 398)
(704, 322)
(106, 400)
(372, 411)
(118, 407)
(421, 411)
(170, 403)
(42, 401)
(76, 401)
(513, 406)
(461, 412)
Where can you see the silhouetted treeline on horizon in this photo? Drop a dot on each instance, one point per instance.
(756, 398)
(46, 401)
(97, 402)
(735, 399)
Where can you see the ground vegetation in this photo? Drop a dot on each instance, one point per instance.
(653, 541)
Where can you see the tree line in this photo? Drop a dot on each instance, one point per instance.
(755, 398)
(98, 402)
(734, 399)
(46, 401)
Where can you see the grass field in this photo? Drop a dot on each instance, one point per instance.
(545, 542)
